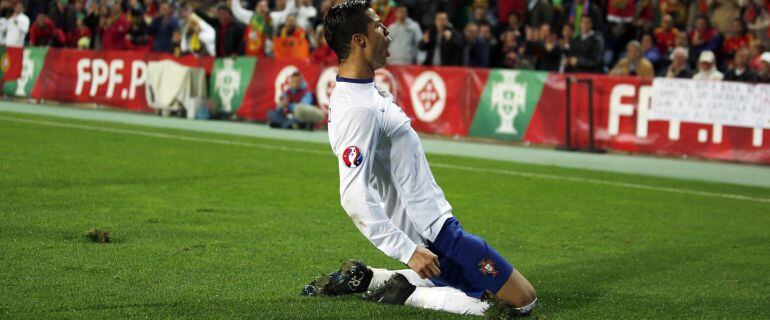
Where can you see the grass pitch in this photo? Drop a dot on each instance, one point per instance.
(218, 226)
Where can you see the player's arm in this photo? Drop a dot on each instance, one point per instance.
(357, 137)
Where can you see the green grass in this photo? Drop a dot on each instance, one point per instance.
(233, 231)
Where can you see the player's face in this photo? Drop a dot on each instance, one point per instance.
(378, 40)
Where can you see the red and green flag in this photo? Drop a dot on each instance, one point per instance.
(29, 65)
(10, 62)
(507, 104)
(229, 82)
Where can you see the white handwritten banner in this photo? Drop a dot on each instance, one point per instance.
(711, 102)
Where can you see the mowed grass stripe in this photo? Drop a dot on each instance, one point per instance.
(138, 132)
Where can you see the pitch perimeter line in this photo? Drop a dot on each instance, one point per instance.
(434, 164)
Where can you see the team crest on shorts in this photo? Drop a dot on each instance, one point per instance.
(487, 267)
(352, 157)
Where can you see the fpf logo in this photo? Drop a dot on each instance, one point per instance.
(428, 95)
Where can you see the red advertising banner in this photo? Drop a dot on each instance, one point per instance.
(438, 100)
(114, 78)
(269, 80)
(621, 118)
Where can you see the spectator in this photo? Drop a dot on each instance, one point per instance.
(755, 54)
(138, 37)
(441, 43)
(651, 51)
(539, 12)
(544, 47)
(585, 51)
(230, 33)
(306, 14)
(634, 64)
(763, 75)
(197, 36)
(676, 10)
(92, 21)
(512, 24)
(296, 94)
(679, 67)
(579, 9)
(113, 28)
(282, 10)
(707, 69)
(665, 35)
(63, 16)
(291, 41)
(513, 54)
(385, 9)
(405, 35)
(703, 37)
(740, 70)
(6, 9)
(644, 16)
(162, 29)
(482, 14)
(18, 27)
(323, 55)
(508, 7)
(151, 8)
(259, 30)
(485, 32)
(620, 18)
(44, 33)
(81, 31)
(735, 38)
(476, 51)
(757, 19)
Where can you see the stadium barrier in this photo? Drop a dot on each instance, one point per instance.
(720, 120)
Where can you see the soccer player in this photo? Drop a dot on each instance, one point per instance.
(388, 190)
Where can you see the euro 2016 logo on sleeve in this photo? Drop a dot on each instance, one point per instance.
(352, 157)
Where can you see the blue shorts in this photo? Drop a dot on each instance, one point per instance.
(467, 262)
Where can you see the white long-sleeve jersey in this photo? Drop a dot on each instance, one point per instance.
(386, 186)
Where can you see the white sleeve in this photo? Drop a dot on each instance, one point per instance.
(208, 36)
(23, 24)
(358, 131)
(243, 15)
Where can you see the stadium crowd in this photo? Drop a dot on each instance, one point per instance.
(701, 39)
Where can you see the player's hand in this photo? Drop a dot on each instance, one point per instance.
(425, 263)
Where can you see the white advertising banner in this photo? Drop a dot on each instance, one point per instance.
(711, 102)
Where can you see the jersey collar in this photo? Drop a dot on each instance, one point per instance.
(361, 81)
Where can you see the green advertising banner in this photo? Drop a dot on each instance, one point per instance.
(32, 63)
(229, 82)
(507, 104)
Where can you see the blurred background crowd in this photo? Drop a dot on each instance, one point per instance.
(701, 39)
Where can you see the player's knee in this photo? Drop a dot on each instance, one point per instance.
(522, 299)
(518, 292)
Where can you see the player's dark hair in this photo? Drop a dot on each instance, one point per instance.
(343, 21)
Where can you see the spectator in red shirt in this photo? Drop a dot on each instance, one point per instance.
(324, 54)
(665, 35)
(114, 27)
(81, 31)
(736, 38)
(703, 37)
(44, 32)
